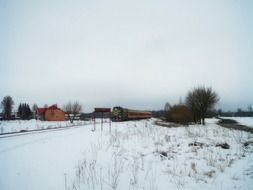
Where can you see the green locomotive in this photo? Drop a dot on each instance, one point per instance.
(123, 114)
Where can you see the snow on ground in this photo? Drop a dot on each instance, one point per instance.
(39, 161)
(26, 125)
(132, 155)
(248, 121)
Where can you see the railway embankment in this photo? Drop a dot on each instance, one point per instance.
(166, 124)
(232, 124)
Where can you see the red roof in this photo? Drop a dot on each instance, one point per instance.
(43, 110)
(102, 109)
(54, 107)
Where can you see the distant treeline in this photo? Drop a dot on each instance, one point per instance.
(214, 113)
(238, 113)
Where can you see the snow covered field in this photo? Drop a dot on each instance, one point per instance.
(133, 155)
(248, 121)
(26, 125)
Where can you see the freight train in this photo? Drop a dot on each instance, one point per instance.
(123, 114)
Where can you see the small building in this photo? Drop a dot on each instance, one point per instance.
(52, 113)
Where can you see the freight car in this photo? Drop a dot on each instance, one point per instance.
(123, 114)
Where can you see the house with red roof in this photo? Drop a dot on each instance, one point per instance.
(52, 113)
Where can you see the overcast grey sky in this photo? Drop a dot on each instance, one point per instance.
(133, 53)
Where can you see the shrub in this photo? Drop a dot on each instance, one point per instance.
(180, 114)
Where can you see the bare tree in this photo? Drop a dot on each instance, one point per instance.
(7, 105)
(250, 108)
(167, 107)
(34, 107)
(180, 101)
(200, 100)
(191, 102)
(72, 109)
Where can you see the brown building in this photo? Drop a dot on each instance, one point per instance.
(52, 113)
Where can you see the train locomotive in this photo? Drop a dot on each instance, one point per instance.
(123, 114)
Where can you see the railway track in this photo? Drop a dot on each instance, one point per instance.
(35, 131)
